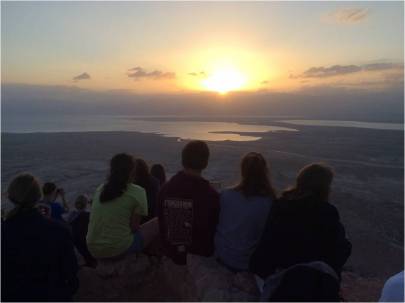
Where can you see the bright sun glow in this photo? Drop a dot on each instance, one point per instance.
(224, 80)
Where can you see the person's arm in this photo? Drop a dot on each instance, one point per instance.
(140, 209)
(135, 221)
(260, 261)
(63, 198)
(339, 247)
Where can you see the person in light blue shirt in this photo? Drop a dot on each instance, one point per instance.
(243, 213)
(393, 290)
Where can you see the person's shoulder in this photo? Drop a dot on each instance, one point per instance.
(136, 192)
(134, 188)
(329, 210)
(99, 188)
(54, 227)
(209, 188)
(173, 183)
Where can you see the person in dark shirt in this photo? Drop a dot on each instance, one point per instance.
(303, 227)
(79, 222)
(151, 185)
(51, 193)
(38, 262)
(188, 208)
(158, 171)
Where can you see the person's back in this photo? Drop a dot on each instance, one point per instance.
(303, 234)
(149, 183)
(241, 223)
(38, 260)
(109, 233)
(151, 187)
(79, 231)
(200, 205)
(117, 207)
(301, 229)
(188, 208)
(243, 214)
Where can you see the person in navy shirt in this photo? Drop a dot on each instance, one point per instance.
(38, 263)
(51, 192)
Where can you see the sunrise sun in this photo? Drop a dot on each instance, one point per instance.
(224, 80)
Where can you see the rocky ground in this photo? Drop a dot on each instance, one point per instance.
(142, 281)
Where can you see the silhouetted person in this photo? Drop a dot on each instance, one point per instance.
(150, 184)
(303, 227)
(51, 193)
(38, 262)
(243, 214)
(79, 222)
(158, 171)
(188, 207)
(116, 211)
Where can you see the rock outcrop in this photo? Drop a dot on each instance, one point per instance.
(143, 278)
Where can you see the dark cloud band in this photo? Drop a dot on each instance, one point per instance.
(339, 70)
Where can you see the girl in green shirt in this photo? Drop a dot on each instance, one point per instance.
(117, 208)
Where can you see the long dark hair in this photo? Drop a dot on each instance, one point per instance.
(313, 180)
(142, 175)
(255, 177)
(122, 168)
(158, 171)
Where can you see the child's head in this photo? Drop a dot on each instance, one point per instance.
(81, 202)
(50, 191)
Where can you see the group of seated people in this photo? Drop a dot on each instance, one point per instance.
(295, 236)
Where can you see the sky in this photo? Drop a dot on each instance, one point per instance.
(188, 47)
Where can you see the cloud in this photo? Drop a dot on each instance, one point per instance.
(339, 70)
(198, 74)
(348, 15)
(335, 70)
(139, 73)
(83, 76)
(383, 66)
